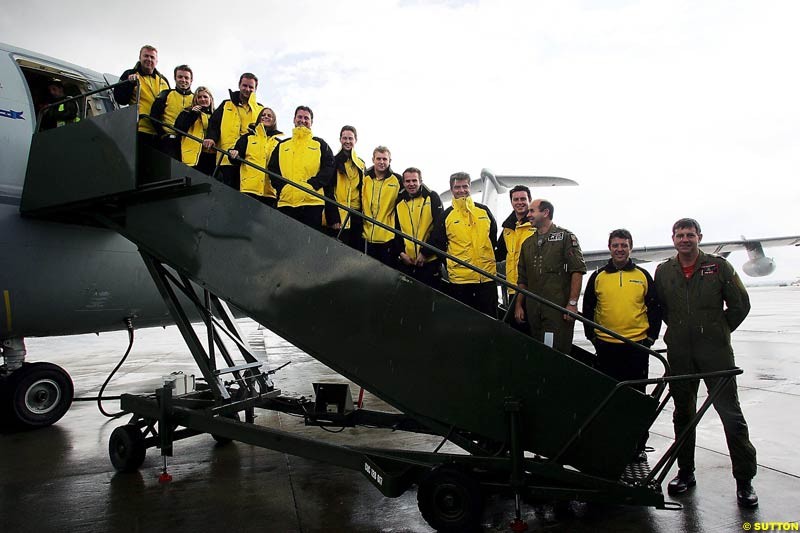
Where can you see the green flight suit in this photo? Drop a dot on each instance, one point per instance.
(546, 263)
(700, 313)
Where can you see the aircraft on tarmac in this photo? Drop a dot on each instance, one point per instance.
(62, 279)
(491, 186)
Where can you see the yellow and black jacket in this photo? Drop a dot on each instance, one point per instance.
(346, 187)
(147, 89)
(230, 121)
(305, 160)
(622, 300)
(415, 217)
(466, 230)
(378, 200)
(256, 147)
(194, 123)
(167, 106)
(509, 244)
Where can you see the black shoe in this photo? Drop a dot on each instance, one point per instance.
(745, 494)
(681, 483)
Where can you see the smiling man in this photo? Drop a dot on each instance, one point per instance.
(166, 108)
(229, 122)
(146, 84)
(704, 301)
(622, 297)
(417, 208)
(551, 266)
(378, 199)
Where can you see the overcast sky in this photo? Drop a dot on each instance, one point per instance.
(658, 109)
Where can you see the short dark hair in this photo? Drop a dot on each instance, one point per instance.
(620, 234)
(544, 204)
(249, 76)
(55, 82)
(413, 169)
(305, 108)
(518, 188)
(346, 128)
(686, 223)
(459, 176)
(182, 67)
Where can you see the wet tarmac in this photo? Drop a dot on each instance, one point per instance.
(60, 478)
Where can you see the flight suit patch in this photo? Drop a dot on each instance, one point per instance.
(709, 269)
(556, 236)
(574, 240)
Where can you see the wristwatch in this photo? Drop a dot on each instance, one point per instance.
(572, 302)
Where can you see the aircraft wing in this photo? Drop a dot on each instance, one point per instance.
(504, 183)
(646, 254)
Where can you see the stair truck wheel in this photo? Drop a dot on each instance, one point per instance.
(126, 448)
(450, 500)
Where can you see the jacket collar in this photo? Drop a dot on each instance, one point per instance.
(610, 267)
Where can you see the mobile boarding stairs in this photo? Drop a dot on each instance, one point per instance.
(530, 421)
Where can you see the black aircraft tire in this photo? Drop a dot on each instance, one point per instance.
(450, 500)
(126, 448)
(38, 394)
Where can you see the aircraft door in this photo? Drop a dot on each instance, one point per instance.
(17, 121)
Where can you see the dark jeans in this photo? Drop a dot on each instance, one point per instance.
(383, 252)
(429, 273)
(229, 175)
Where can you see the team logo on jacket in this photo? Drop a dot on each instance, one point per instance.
(556, 236)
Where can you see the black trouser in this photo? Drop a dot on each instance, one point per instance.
(383, 252)
(263, 199)
(429, 273)
(170, 145)
(624, 362)
(206, 163)
(229, 175)
(310, 215)
(350, 236)
(479, 296)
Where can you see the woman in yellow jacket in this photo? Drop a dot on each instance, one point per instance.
(194, 121)
(256, 147)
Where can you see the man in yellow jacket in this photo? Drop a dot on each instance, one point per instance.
(378, 199)
(146, 84)
(467, 230)
(307, 161)
(229, 122)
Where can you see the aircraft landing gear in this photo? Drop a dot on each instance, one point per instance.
(37, 395)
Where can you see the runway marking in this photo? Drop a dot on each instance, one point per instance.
(7, 298)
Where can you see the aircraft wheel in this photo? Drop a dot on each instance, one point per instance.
(126, 448)
(38, 394)
(450, 500)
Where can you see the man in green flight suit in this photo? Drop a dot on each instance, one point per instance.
(550, 265)
(703, 301)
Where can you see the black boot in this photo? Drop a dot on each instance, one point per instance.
(745, 494)
(681, 483)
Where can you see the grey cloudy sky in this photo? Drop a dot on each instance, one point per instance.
(658, 109)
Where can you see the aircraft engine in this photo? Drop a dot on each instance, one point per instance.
(758, 267)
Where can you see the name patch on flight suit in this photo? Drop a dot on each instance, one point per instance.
(709, 269)
(556, 236)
